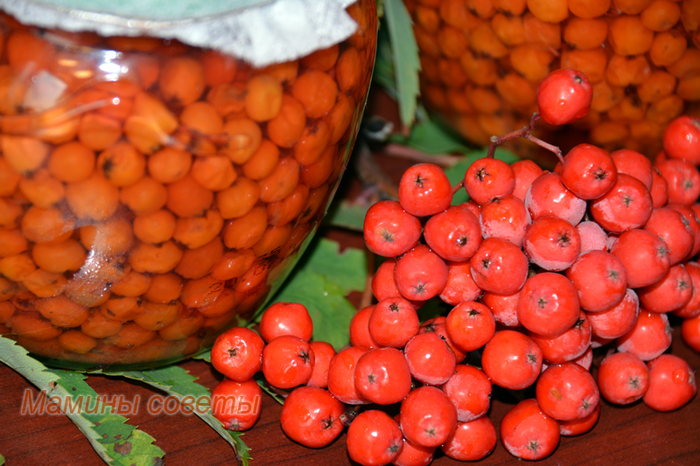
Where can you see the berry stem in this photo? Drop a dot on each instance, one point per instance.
(524, 132)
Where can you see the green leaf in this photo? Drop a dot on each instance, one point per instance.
(330, 311)
(114, 441)
(347, 269)
(348, 215)
(2, 460)
(321, 282)
(405, 58)
(432, 137)
(177, 382)
(383, 73)
(456, 173)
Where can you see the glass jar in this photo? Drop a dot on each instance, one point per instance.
(482, 61)
(153, 194)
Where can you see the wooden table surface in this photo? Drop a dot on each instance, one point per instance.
(634, 435)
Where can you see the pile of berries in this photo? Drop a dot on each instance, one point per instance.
(539, 268)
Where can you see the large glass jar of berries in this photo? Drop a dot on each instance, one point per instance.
(161, 172)
(481, 62)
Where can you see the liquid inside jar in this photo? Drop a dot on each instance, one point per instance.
(154, 194)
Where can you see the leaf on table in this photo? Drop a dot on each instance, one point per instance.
(176, 381)
(347, 269)
(204, 355)
(114, 441)
(330, 311)
(456, 173)
(321, 281)
(405, 58)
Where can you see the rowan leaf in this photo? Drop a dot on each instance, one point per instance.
(115, 441)
(406, 64)
(177, 382)
(330, 311)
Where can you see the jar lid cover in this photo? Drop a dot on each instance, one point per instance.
(261, 32)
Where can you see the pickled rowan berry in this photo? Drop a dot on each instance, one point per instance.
(692, 307)
(460, 285)
(323, 353)
(436, 325)
(525, 171)
(424, 189)
(564, 96)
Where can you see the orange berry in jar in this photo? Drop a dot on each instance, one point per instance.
(182, 80)
(263, 98)
(198, 262)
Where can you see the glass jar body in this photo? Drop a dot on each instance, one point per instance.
(154, 194)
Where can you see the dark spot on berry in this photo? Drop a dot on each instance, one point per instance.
(482, 174)
(387, 236)
(533, 445)
(394, 307)
(232, 352)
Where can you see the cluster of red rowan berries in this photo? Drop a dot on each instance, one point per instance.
(539, 268)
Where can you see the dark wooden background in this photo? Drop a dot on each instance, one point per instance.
(634, 435)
